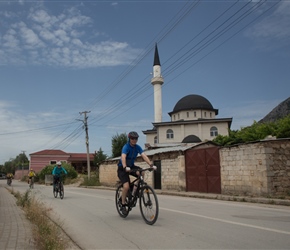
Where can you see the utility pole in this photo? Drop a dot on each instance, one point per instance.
(85, 121)
(23, 152)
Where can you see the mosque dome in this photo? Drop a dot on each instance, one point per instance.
(192, 102)
(191, 139)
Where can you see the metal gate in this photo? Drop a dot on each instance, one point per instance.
(202, 168)
(157, 175)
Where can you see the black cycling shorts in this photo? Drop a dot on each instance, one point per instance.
(124, 176)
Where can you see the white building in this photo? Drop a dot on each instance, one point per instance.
(192, 120)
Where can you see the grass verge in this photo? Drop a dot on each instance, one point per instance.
(93, 181)
(47, 235)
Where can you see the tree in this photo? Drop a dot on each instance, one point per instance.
(118, 141)
(257, 131)
(283, 128)
(20, 161)
(99, 157)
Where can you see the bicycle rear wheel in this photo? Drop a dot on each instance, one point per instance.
(118, 201)
(61, 190)
(149, 207)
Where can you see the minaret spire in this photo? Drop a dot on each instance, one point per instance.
(157, 82)
(156, 56)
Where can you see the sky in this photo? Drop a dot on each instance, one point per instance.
(60, 59)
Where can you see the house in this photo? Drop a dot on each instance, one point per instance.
(41, 159)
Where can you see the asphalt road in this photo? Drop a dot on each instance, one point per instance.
(90, 218)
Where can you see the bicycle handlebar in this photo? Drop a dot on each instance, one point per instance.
(143, 169)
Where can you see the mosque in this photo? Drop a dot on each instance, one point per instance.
(192, 120)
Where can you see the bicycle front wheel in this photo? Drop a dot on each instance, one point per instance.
(55, 191)
(61, 190)
(149, 207)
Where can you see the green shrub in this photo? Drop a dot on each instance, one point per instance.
(71, 172)
(93, 181)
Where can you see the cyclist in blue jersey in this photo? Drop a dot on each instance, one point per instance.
(56, 172)
(129, 154)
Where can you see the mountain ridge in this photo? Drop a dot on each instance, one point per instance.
(280, 111)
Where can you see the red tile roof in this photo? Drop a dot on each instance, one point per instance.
(80, 156)
(50, 152)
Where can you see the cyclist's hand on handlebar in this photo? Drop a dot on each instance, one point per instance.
(127, 169)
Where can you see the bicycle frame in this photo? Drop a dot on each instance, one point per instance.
(58, 188)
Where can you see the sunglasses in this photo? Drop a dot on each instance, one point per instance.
(133, 138)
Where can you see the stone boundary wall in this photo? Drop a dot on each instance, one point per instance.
(278, 167)
(258, 169)
(172, 171)
(108, 173)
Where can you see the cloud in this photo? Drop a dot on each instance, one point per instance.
(31, 131)
(41, 38)
(273, 30)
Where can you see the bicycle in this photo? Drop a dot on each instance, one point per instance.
(31, 182)
(58, 188)
(148, 201)
(9, 181)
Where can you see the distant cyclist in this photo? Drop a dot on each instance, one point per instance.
(56, 172)
(129, 154)
(30, 175)
(9, 177)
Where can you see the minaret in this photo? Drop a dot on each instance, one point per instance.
(157, 82)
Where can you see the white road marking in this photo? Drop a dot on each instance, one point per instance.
(227, 221)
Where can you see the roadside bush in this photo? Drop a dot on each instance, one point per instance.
(71, 173)
(93, 181)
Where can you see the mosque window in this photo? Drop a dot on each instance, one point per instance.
(169, 134)
(210, 114)
(213, 131)
(194, 113)
(155, 139)
(187, 113)
(204, 114)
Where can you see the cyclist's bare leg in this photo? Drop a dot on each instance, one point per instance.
(136, 183)
(124, 192)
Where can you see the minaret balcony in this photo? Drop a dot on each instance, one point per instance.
(157, 80)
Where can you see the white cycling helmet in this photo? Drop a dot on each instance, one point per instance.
(58, 163)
